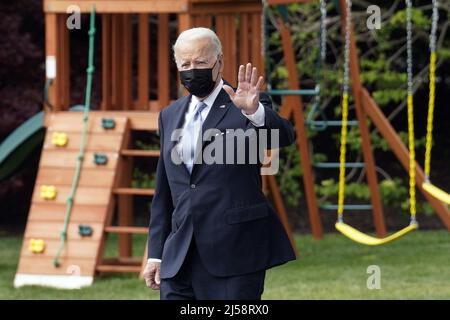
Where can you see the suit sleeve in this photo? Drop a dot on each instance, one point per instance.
(274, 121)
(162, 206)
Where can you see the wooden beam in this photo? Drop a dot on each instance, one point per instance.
(302, 144)
(364, 130)
(281, 210)
(401, 152)
(280, 2)
(118, 6)
(132, 230)
(226, 8)
(143, 63)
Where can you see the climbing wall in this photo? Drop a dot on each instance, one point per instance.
(93, 202)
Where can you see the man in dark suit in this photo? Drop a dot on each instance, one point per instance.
(212, 232)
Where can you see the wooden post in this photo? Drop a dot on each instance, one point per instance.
(203, 20)
(106, 62)
(230, 24)
(125, 202)
(244, 39)
(296, 107)
(364, 131)
(163, 61)
(127, 61)
(116, 60)
(256, 41)
(185, 22)
(63, 63)
(143, 63)
(51, 50)
(281, 210)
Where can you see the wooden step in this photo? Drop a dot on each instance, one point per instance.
(117, 268)
(117, 229)
(134, 191)
(140, 153)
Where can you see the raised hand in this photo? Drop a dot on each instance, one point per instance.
(246, 96)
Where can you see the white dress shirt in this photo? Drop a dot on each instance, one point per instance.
(257, 118)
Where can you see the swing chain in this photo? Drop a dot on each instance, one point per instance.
(411, 141)
(409, 47)
(432, 89)
(434, 25)
(343, 142)
(323, 30)
(348, 20)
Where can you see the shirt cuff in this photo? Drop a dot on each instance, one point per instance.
(153, 260)
(258, 118)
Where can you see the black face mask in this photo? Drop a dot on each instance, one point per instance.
(199, 82)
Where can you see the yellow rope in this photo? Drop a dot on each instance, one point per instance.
(412, 156)
(429, 139)
(343, 150)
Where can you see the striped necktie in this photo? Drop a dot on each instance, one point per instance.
(190, 139)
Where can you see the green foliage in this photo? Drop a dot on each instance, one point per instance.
(418, 18)
(290, 175)
(143, 180)
(146, 146)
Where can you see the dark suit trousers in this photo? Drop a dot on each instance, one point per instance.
(194, 282)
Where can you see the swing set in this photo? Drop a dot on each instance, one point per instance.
(364, 106)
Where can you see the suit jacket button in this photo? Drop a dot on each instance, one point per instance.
(193, 186)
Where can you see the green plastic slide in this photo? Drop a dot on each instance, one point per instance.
(16, 148)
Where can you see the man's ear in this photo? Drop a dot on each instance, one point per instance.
(221, 63)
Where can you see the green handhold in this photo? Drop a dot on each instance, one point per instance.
(85, 230)
(108, 123)
(100, 158)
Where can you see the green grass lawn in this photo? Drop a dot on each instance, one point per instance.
(415, 267)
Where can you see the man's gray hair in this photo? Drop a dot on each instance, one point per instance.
(196, 34)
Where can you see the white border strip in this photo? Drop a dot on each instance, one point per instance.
(55, 281)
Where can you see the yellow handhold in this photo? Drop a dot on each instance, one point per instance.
(36, 245)
(59, 139)
(48, 192)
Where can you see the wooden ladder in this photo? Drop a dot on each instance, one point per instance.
(124, 194)
(93, 202)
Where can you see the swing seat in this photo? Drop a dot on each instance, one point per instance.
(363, 238)
(436, 192)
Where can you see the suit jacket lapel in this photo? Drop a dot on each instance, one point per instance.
(215, 115)
(218, 110)
(177, 124)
